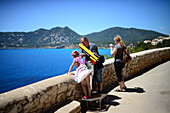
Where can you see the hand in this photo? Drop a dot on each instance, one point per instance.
(68, 73)
(111, 45)
(83, 54)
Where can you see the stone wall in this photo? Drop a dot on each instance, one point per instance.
(140, 62)
(41, 96)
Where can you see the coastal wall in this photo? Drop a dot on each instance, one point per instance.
(43, 95)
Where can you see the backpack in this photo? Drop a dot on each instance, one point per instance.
(100, 61)
(126, 56)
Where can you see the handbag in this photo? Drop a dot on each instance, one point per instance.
(126, 56)
(100, 61)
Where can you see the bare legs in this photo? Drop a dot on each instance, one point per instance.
(101, 88)
(97, 84)
(83, 87)
(122, 85)
(88, 86)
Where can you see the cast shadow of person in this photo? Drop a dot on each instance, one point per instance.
(135, 89)
(108, 101)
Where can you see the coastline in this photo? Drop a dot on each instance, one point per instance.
(50, 48)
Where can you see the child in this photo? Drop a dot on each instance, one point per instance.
(82, 73)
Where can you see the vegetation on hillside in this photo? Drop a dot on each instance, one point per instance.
(141, 46)
(64, 37)
(129, 35)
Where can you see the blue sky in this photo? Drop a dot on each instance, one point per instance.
(84, 16)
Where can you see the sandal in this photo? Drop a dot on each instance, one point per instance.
(118, 90)
(125, 87)
(84, 97)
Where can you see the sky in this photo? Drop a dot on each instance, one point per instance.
(84, 16)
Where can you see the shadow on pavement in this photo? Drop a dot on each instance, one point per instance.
(135, 89)
(108, 101)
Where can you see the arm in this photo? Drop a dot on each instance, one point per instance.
(83, 55)
(113, 51)
(96, 50)
(71, 67)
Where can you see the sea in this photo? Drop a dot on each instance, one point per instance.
(20, 67)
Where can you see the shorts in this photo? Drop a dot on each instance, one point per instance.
(97, 77)
(97, 74)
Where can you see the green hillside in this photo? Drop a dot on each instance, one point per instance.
(129, 35)
(65, 37)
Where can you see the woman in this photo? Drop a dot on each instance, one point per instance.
(119, 65)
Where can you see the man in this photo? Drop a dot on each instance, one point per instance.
(97, 77)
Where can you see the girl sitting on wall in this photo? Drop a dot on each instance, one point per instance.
(82, 73)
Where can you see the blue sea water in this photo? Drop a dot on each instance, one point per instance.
(20, 67)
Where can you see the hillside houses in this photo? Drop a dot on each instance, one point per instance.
(156, 40)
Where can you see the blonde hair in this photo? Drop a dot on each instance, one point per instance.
(119, 40)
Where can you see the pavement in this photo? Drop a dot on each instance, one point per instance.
(147, 93)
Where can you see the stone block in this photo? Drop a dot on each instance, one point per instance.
(61, 97)
(13, 109)
(62, 88)
(73, 107)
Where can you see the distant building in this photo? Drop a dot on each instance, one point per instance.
(147, 41)
(166, 38)
(160, 37)
(160, 40)
(154, 41)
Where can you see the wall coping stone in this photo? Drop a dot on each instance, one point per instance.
(20, 93)
(109, 61)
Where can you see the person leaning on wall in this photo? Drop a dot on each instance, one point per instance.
(97, 76)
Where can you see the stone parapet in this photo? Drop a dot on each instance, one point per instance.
(41, 96)
(140, 61)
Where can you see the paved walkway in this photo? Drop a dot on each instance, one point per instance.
(148, 93)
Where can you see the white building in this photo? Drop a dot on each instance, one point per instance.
(154, 42)
(147, 41)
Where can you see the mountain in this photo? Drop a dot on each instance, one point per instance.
(65, 37)
(128, 35)
(40, 38)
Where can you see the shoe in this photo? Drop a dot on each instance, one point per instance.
(84, 97)
(89, 97)
(125, 87)
(118, 90)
